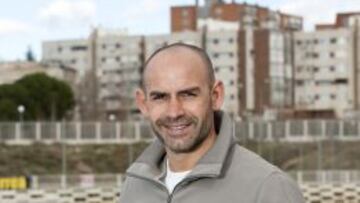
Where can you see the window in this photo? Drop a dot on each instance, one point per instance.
(232, 97)
(333, 40)
(103, 59)
(299, 69)
(231, 82)
(118, 46)
(231, 40)
(332, 96)
(298, 42)
(332, 55)
(215, 55)
(79, 48)
(59, 49)
(185, 22)
(231, 68)
(299, 83)
(216, 41)
(316, 69)
(73, 61)
(104, 46)
(231, 54)
(184, 12)
(118, 58)
(218, 11)
(317, 97)
(332, 68)
(216, 69)
(316, 41)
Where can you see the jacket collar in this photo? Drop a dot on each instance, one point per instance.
(151, 165)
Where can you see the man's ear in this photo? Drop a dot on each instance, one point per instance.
(140, 99)
(217, 95)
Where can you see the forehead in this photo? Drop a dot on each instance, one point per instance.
(175, 69)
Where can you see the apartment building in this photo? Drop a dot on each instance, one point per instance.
(192, 16)
(154, 42)
(72, 53)
(250, 47)
(327, 69)
(118, 60)
(261, 43)
(108, 62)
(223, 50)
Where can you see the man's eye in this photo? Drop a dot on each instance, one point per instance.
(158, 97)
(189, 94)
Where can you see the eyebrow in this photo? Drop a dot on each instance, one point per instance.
(190, 89)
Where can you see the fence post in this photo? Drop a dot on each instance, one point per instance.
(299, 177)
(341, 130)
(287, 130)
(34, 182)
(18, 132)
(323, 129)
(137, 131)
(38, 131)
(58, 132)
(306, 129)
(251, 130)
(117, 131)
(78, 131)
(269, 131)
(63, 181)
(98, 132)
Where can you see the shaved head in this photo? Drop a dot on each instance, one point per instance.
(180, 48)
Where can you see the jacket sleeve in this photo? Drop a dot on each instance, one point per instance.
(279, 188)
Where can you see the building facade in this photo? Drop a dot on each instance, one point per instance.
(191, 16)
(250, 47)
(327, 69)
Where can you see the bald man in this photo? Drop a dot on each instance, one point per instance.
(195, 158)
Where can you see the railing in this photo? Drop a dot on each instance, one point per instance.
(115, 180)
(129, 132)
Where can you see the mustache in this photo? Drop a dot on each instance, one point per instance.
(180, 120)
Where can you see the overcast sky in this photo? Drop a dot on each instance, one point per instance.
(28, 23)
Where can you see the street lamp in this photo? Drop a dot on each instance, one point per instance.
(112, 117)
(21, 110)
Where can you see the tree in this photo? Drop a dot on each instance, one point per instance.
(29, 55)
(44, 98)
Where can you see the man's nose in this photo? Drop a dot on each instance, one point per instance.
(175, 108)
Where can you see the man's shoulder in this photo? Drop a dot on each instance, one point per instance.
(248, 167)
(258, 177)
(247, 159)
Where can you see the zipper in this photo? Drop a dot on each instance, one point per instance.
(185, 182)
(181, 184)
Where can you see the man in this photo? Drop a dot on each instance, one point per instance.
(196, 158)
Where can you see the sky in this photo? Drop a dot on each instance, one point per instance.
(26, 24)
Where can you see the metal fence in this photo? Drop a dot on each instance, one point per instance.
(129, 132)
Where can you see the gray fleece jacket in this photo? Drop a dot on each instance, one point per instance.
(226, 173)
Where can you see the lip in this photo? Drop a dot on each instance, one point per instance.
(177, 130)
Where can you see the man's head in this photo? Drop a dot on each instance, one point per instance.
(179, 95)
(201, 53)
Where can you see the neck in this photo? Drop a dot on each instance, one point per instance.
(186, 161)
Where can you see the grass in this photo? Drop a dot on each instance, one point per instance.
(40, 159)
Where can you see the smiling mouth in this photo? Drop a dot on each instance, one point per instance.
(177, 130)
